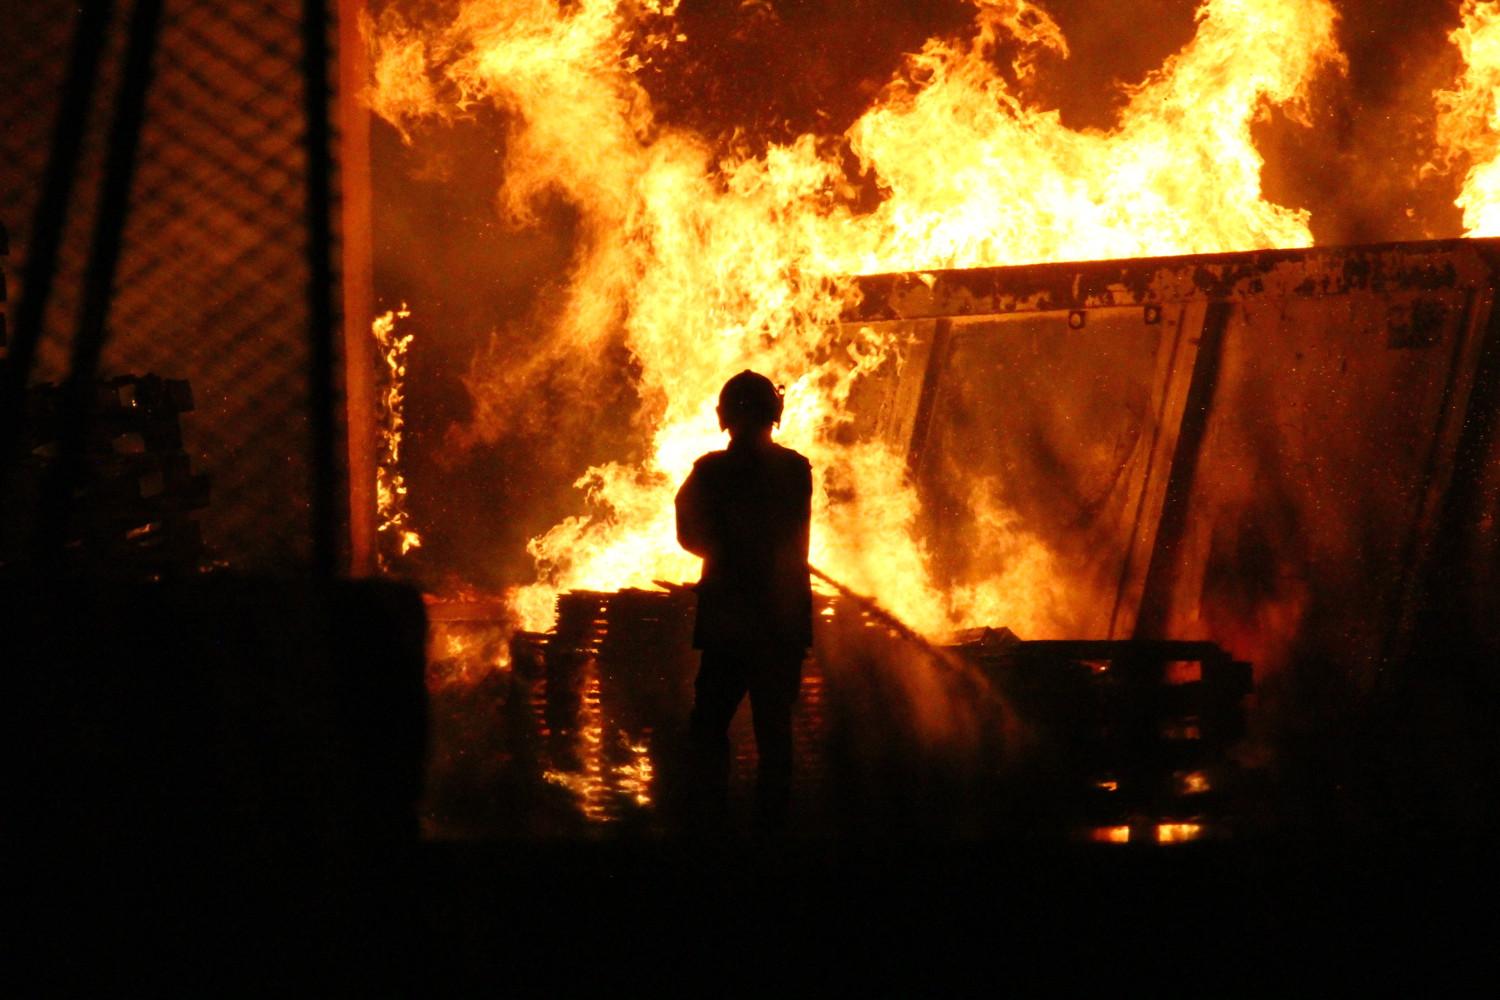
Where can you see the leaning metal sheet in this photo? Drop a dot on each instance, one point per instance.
(1250, 448)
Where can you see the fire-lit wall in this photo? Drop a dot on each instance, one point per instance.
(1287, 452)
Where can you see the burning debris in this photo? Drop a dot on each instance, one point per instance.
(1211, 433)
(709, 261)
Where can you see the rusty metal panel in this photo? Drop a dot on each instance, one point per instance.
(1315, 466)
(1463, 592)
(1229, 277)
(1249, 448)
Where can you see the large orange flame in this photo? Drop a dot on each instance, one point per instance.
(1468, 124)
(709, 261)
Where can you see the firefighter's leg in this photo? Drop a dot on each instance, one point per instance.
(720, 687)
(773, 691)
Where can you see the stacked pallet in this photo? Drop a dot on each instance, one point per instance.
(590, 698)
(131, 510)
(1123, 741)
(1126, 740)
(599, 706)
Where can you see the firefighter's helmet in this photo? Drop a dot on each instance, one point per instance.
(750, 400)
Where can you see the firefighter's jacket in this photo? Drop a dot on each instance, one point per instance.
(746, 511)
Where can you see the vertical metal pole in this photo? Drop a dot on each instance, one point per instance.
(324, 485)
(99, 275)
(47, 224)
(357, 274)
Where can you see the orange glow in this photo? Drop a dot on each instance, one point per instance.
(1177, 833)
(599, 785)
(1166, 833)
(589, 784)
(463, 653)
(707, 259)
(635, 776)
(1182, 672)
(390, 483)
(1468, 124)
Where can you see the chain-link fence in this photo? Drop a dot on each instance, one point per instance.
(213, 274)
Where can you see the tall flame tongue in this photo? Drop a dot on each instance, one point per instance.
(390, 483)
(1468, 124)
(710, 261)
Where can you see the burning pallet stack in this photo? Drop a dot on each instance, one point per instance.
(599, 703)
(1120, 741)
(589, 698)
(132, 509)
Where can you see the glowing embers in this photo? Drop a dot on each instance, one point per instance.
(1177, 833)
(635, 777)
(1147, 830)
(1160, 833)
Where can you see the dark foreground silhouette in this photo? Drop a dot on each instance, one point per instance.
(746, 511)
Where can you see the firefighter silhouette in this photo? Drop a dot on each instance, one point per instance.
(746, 511)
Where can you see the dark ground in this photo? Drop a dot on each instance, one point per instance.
(801, 918)
(202, 800)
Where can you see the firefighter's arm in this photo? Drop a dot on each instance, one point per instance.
(692, 516)
(804, 508)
